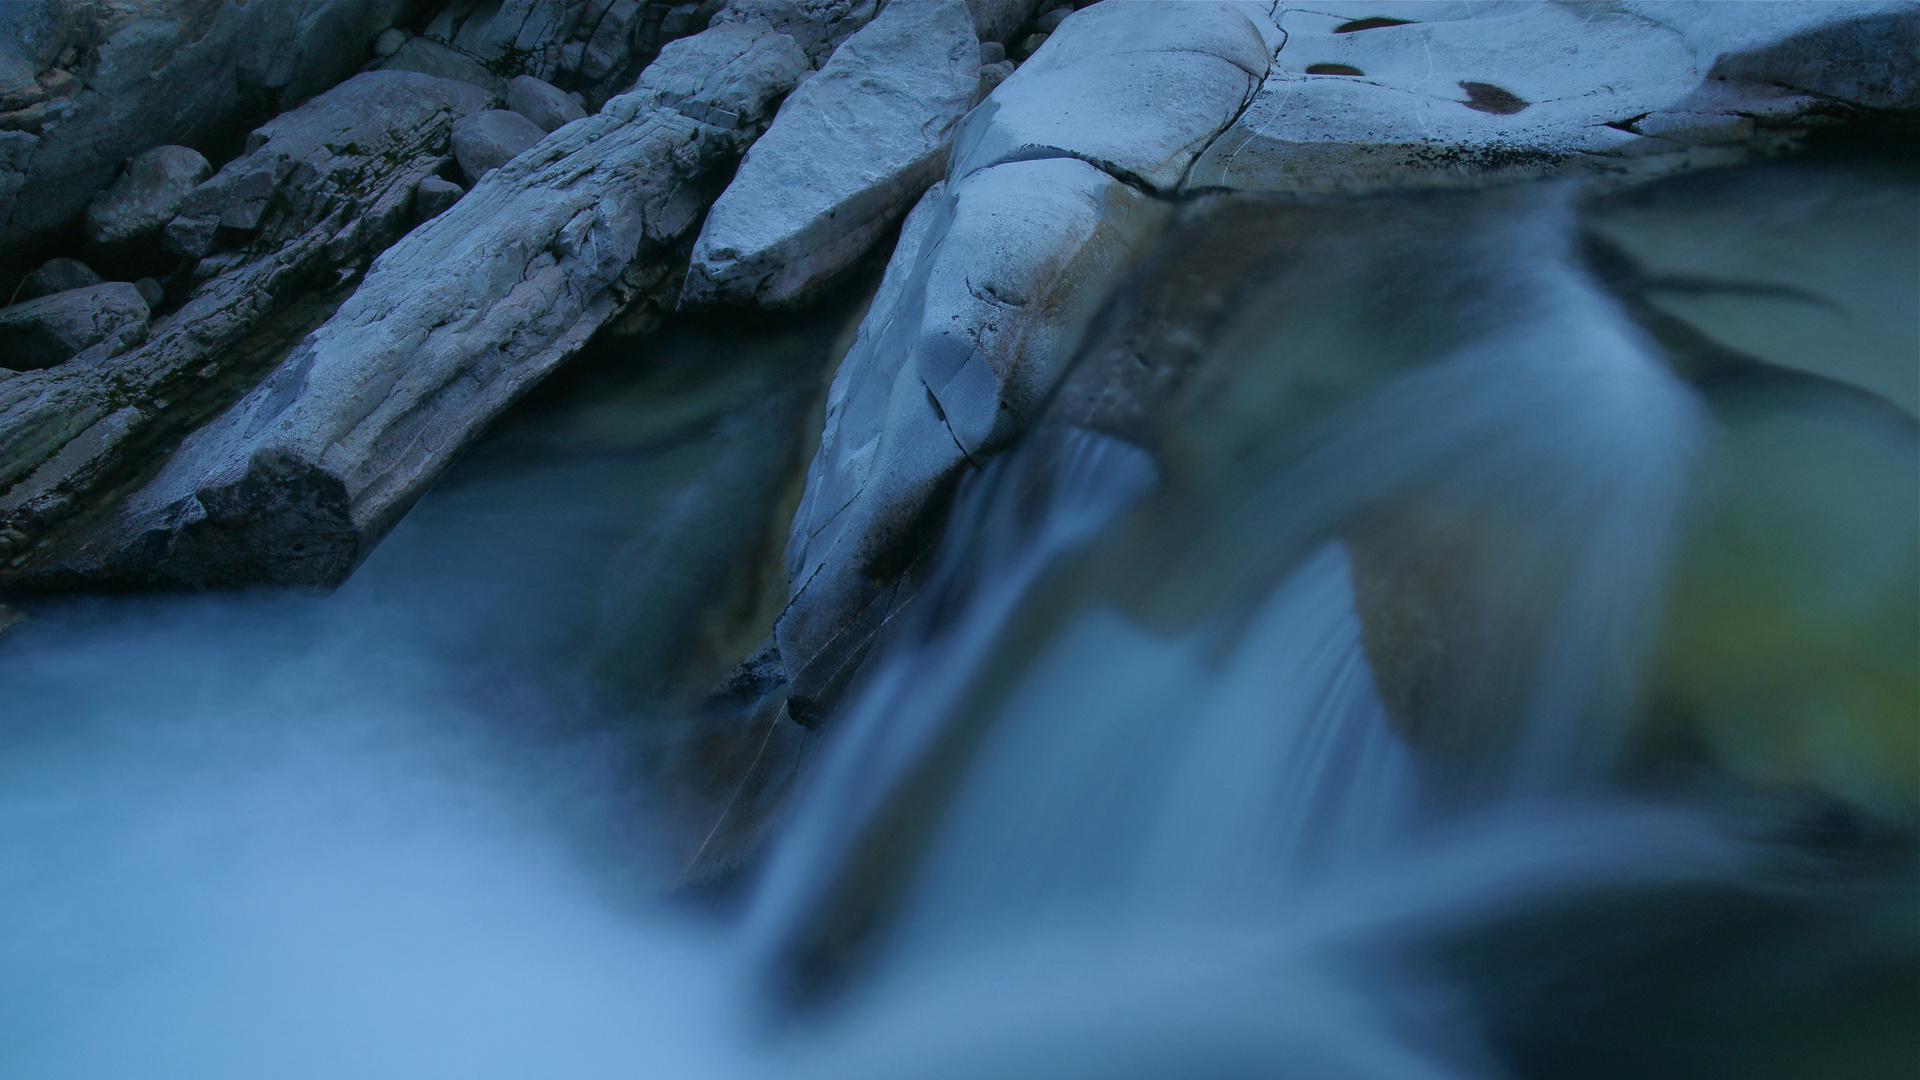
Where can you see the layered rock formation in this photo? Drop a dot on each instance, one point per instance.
(302, 475)
(92, 84)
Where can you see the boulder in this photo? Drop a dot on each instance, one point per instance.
(432, 197)
(56, 275)
(541, 102)
(325, 188)
(1137, 89)
(147, 195)
(848, 152)
(389, 41)
(54, 329)
(141, 76)
(296, 481)
(489, 139)
(984, 301)
(1465, 96)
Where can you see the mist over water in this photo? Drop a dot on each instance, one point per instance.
(1293, 724)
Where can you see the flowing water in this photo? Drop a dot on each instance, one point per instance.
(1312, 717)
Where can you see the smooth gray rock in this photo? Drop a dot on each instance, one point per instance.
(301, 477)
(992, 52)
(487, 140)
(1050, 21)
(56, 275)
(996, 273)
(433, 196)
(319, 209)
(1137, 89)
(148, 75)
(1474, 94)
(389, 41)
(151, 291)
(983, 303)
(147, 195)
(54, 329)
(848, 152)
(541, 102)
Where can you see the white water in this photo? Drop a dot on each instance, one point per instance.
(394, 832)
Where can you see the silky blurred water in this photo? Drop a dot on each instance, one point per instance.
(1316, 719)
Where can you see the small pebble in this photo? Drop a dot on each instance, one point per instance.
(1032, 44)
(151, 291)
(1048, 23)
(992, 52)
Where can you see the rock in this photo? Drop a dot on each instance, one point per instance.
(429, 57)
(297, 480)
(325, 188)
(432, 196)
(849, 151)
(987, 295)
(151, 291)
(992, 52)
(1793, 622)
(817, 26)
(1050, 21)
(55, 276)
(1031, 44)
(983, 303)
(147, 195)
(312, 164)
(54, 329)
(389, 41)
(1471, 96)
(992, 75)
(1137, 89)
(993, 20)
(542, 103)
(1799, 265)
(487, 140)
(194, 75)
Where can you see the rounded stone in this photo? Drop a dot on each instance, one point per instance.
(148, 194)
(388, 41)
(56, 276)
(484, 141)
